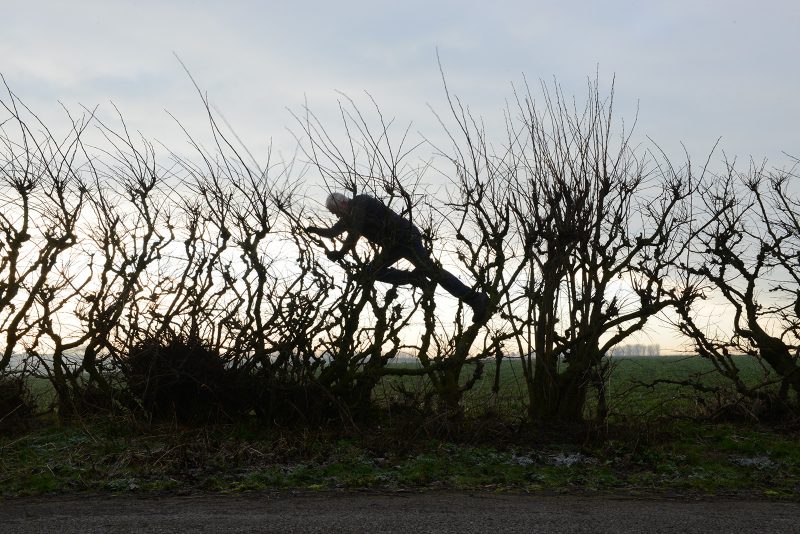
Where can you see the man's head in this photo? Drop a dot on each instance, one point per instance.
(338, 204)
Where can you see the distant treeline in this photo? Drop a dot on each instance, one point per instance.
(636, 350)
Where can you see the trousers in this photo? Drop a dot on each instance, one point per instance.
(424, 269)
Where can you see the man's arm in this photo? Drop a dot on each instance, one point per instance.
(333, 231)
(348, 244)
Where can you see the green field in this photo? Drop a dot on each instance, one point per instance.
(632, 388)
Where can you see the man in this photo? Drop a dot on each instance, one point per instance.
(398, 238)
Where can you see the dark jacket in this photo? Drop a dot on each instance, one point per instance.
(369, 217)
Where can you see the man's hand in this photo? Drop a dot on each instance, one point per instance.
(335, 255)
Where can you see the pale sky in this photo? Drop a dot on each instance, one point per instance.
(697, 70)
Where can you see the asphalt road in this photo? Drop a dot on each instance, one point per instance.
(399, 512)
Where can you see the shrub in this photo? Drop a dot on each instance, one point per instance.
(181, 378)
(17, 407)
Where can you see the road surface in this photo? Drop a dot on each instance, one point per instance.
(392, 512)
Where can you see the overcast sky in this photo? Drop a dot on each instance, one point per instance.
(697, 70)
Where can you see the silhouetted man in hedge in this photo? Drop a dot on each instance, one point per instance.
(398, 238)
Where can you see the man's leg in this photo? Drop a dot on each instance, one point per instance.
(380, 268)
(398, 277)
(425, 266)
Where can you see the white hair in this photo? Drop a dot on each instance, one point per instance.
(334, 200)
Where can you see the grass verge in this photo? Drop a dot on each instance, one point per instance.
(666, 457)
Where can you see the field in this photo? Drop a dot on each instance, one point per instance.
(653, 443)
(632, 387)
